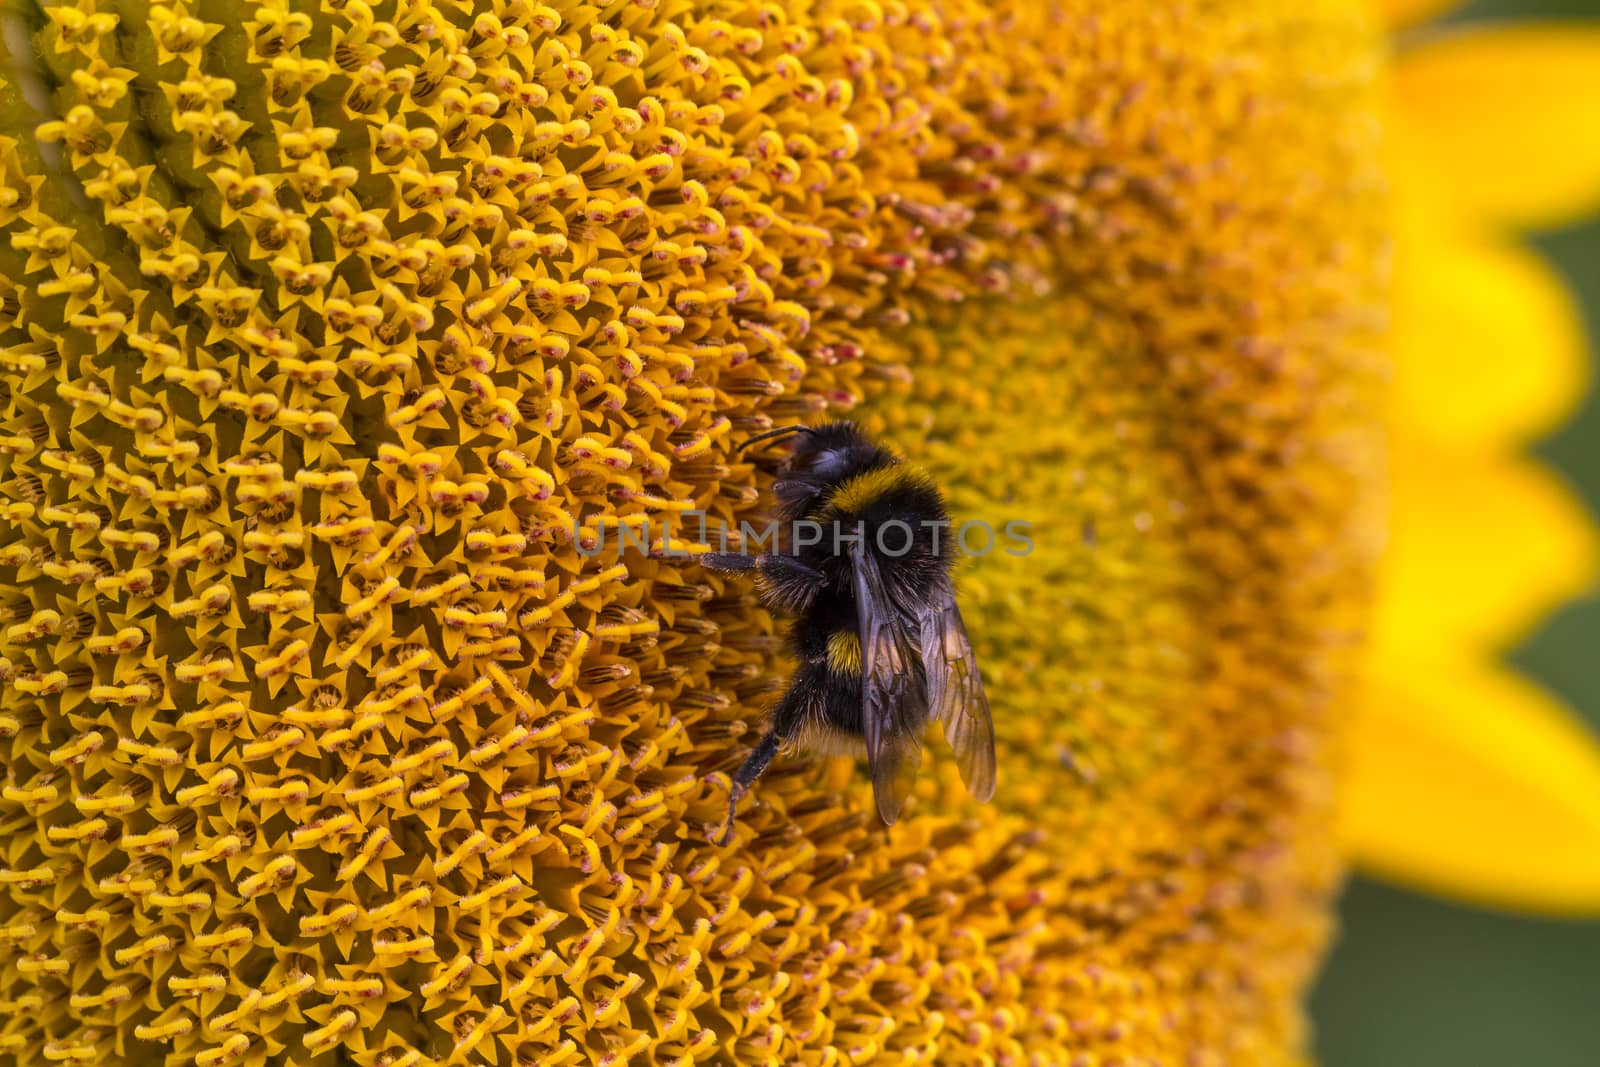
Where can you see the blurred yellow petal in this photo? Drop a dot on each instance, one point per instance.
(1507, 118)
(1480, 550)
(1406, 12)
(1488, 342)
(1470, 782)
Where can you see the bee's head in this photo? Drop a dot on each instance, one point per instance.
(831, 451)
(827, 453)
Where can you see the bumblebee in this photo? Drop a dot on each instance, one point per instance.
(862, 560)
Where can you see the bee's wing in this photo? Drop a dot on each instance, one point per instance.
(893, 697)
(955, 691)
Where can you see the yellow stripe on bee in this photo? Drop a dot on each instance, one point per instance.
(844, 652)
(863, 489)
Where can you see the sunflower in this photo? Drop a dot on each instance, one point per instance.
(1465, 778)
(335, 340)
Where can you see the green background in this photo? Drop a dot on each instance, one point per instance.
(1414, 982)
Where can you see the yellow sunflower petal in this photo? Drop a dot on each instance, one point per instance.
(1471, 782)
(1489, 346)
(1509, 118)
(1480, 549)
(1407, 12)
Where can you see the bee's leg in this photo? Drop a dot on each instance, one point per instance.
(786, 720)
(752, 768)
(788, 584)
(731, 562)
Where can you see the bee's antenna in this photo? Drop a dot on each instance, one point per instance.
(781, 431)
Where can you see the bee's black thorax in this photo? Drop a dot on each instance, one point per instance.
(856, 492)
(900, 515)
